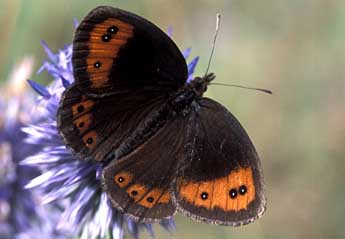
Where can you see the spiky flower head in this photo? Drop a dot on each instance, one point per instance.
(88, 212)
(21, 215)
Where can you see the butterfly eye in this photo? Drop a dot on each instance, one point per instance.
(242, 190)
(198, 86)
(233, 193)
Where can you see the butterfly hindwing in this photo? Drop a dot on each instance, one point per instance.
(98, 127)
(139, 184)
(115, 50)
(220, 181)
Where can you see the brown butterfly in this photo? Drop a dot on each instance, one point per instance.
(164, 146)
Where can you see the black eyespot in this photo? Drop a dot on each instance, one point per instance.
(106, 37)
(97, 64)
(204, 195)
(80, 108)
(150, 199)
(242, 190)
(121, 179)
(233, 193)
(113, 30)
(81, 124)
(89, 141)
(134, 193)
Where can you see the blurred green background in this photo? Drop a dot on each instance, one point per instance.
(295, 48)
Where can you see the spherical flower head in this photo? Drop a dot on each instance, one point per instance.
(20, 212)
(88, 211)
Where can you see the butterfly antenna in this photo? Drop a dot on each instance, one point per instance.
(214, 43)
(245, 87)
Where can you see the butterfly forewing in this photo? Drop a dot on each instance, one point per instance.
(115, 50)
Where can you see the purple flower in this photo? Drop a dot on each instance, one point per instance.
(20, 212)
(87, 210)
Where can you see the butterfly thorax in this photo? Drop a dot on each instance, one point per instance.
(191, 92)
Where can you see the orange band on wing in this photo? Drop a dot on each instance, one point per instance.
(230, 193)
(102, 54)
(147, 199)
(141, 195)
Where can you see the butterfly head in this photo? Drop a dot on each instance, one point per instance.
(199, 84)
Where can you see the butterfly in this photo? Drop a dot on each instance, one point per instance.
(164, 147)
